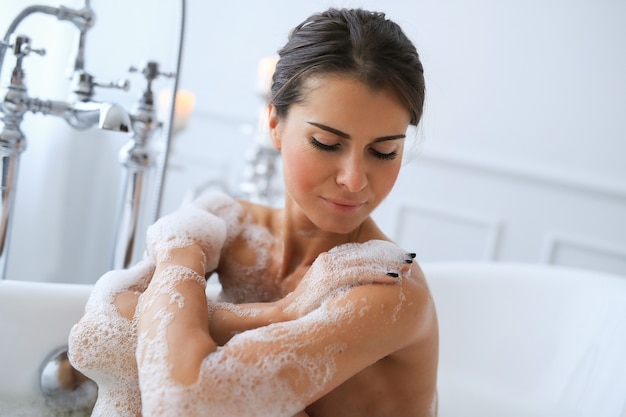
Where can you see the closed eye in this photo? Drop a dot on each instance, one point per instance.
(322, 146)
(331, 148)
(384, 156)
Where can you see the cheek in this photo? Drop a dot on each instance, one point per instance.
(385, 179)
(299, 169)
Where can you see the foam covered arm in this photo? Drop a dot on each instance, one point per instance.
(102, 344)
(345, 266)
(276, 369)
(187, 226)
(228, 320)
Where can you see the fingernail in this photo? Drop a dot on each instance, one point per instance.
(408, 261)
(412, 255)
(392, 274)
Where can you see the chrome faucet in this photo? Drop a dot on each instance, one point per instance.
(83, 19)
(81, 112)
(138, 158)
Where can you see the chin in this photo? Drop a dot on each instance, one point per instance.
(339, 227)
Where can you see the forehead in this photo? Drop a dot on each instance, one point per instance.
(347, 100)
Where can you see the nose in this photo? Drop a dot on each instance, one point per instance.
(352, 173)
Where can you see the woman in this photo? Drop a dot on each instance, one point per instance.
(320, 315)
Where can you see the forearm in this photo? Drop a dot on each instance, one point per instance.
(174, 318)
(228, 319)
(297, 361)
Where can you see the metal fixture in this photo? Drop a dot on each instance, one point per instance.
(259, 182)
(63, 387)
(83, 19)
(80, 111)
(138, 159)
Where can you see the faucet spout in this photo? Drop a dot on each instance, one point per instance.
(83, 115)
(108, 116)
(114, 117)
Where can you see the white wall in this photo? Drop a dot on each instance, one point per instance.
(520, 155)
(521, 150)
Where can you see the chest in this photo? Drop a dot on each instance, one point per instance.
(262, 285)
(257, 273)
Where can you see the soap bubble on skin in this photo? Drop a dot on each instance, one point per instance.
(165, 284)
(348, 265)
(235, 309)
(226, 208)
(243, 377)
(251, 283)
(102, 345)
(185, 227)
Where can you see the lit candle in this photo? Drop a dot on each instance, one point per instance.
(183, 107)
(266, 69)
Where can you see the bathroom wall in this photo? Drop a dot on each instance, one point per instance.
(520, 155)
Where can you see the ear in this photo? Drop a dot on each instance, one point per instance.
(274, 127)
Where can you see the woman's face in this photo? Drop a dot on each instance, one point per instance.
(341, 150)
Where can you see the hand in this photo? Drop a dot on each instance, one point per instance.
(373, 262)
(186, 227)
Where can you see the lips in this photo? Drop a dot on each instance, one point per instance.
(344, 205)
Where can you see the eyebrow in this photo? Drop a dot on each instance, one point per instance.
(347, 136)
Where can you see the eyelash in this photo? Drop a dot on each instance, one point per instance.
(331, 148)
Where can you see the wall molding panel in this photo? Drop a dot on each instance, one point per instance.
(578, 251)
(469, 236)
(542, 176)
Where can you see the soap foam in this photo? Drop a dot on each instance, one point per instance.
(248, 375)
(102, 345)
(264, 372)
(224, 207)
(187, 226)
(251, 284)
(348, 265)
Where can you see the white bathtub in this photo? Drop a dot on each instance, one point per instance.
(517, 340)
(520, 340)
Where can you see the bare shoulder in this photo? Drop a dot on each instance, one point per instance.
(391, 334)
(234, 212)
(240, 216)
(406, 310)
(419, 312)
(409, 306)
(230, 210)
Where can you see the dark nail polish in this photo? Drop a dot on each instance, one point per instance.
(392, 274)
(412, 255)
(408, 261)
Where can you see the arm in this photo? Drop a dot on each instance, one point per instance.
(273, 370)
(350, 268)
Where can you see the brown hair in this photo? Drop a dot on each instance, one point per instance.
(353, 42)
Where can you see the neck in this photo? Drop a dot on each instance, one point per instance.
(303, 241)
